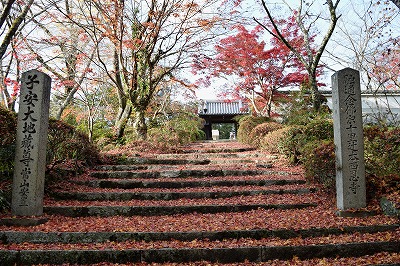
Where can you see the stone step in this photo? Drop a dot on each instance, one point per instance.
(124, 196)
(214, 155)
(130, 184)
(108, 211)
(180, 255)
(178, 167)
(163, 161)
(217, 150)
(183, 173)
(8, 237)
(134, 167)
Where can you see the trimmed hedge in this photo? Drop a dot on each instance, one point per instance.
(246, 125)
(318, 158)
(183, 129)
(382, 159)
(272, 142)
(258, 133)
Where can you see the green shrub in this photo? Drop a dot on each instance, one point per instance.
(382, 146)
(5, 198)
(313, 147)
(246, 125)
(66, 143)
(319, 129)
(8, 126)
(258, 133)
(291, 142)
(8, 134)
(382, 159)
(182, 129)
(270, 142)
(297, 137)
(318, 159)
(7, 156)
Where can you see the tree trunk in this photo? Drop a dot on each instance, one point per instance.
(3, 101)
(13, 28)
(122, 119)
(140, 125)
(315, 94)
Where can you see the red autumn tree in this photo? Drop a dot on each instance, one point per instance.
(386, 68)
(260, 69)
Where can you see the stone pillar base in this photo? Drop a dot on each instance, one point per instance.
(356, 213)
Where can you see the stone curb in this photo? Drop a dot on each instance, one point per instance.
(8, 237)
(184, 173)
(107, 211)
(222, 255)
(124, 196)
(128, 184)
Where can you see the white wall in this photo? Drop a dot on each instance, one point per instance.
(378, 106)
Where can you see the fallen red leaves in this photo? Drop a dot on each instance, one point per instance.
(268, 219)
(322, 216)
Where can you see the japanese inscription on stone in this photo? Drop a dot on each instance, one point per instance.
(30, 157)
(348, 132)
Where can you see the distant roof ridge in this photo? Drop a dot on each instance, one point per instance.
(222, 107)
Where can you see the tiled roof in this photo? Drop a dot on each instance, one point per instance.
(223, 108)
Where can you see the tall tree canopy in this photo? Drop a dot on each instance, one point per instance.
(148, 40)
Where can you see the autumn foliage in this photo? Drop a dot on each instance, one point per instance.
(260, 68)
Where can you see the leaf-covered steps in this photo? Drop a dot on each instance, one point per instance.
(8, 237)
(154, 161)
(64, 250)
(108, 211)
(109, 246)
(129, 184)
(221, 255)
(125, 196)
(183, 173)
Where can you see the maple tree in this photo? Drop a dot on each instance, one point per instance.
(149, 41)
(261, 71)
(306, 21)
(385, 69)
(11, 21)
(58, 31)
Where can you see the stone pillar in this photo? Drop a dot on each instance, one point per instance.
(30, 154)
(349, 141)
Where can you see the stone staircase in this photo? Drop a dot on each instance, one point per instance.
(216, 202)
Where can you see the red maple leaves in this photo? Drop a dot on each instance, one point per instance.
(259, 68)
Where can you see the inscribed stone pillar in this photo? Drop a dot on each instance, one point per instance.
(349, 142)
(30, 154)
